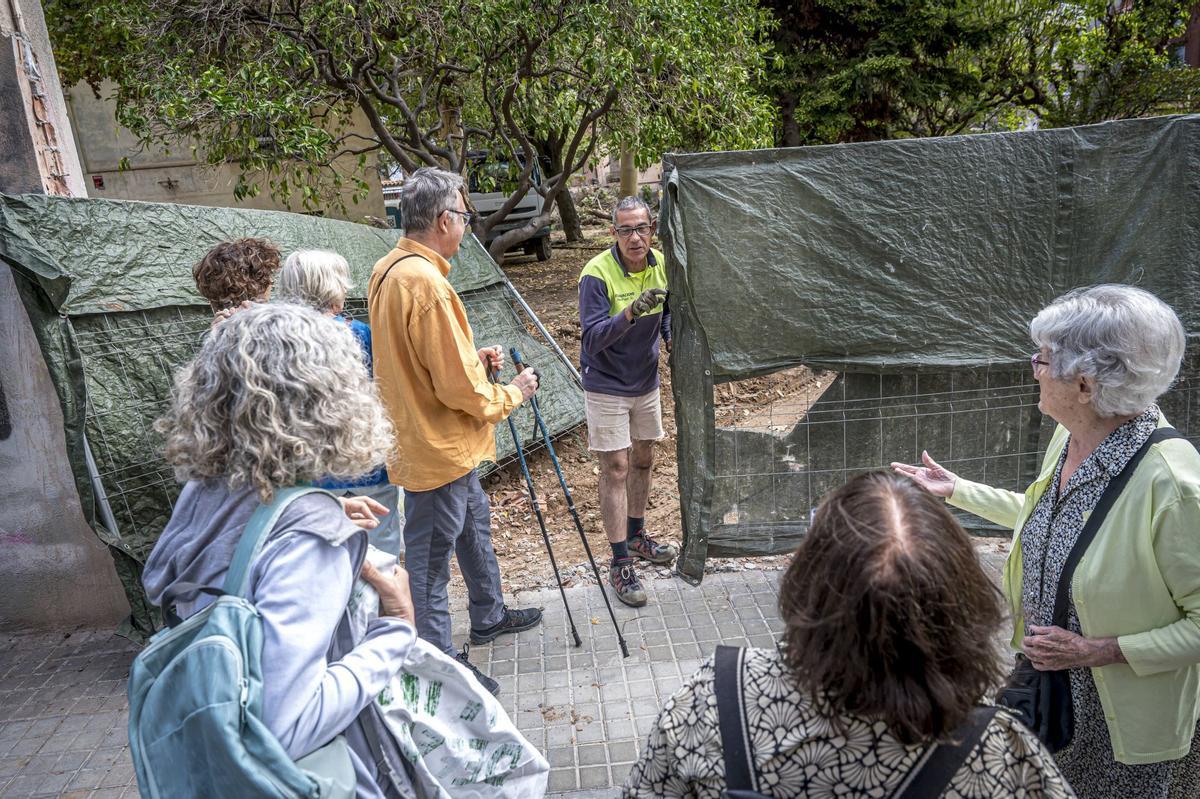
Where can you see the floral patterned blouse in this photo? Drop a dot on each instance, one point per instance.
(798, 752)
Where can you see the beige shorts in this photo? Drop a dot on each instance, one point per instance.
(614, 423)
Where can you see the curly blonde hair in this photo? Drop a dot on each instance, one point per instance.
(277, 395)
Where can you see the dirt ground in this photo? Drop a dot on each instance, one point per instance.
(550, 289)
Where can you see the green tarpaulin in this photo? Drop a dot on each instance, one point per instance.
(109, 290)
(913, 268)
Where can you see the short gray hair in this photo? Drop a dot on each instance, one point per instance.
(318, 278)
(277, 395)
(631, 203)
(424, 195)
(1124, 338)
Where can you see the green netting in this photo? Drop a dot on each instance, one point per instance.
(109, 290)
(912, 268)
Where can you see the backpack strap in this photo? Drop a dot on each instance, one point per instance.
(1105, 503)
(262, 521)
(180, 591)
(933, 772)
(731, 718)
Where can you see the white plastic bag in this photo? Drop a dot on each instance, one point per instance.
(458, 738)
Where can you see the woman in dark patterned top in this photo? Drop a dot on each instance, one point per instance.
(1132, 640)
(890, 622)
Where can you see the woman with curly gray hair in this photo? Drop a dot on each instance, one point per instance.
(278, 396)
(1128, 657)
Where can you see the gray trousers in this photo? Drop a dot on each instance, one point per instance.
(454, 518)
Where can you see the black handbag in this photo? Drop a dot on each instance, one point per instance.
(1041, 700)
(928, 777)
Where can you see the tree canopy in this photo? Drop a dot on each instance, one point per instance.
(284, 88)
(858, 70)
(288, 88)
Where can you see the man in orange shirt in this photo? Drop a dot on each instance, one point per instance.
(434, 383)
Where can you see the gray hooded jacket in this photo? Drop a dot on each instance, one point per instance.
(315, 687)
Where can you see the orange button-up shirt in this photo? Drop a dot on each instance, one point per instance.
(428, 372)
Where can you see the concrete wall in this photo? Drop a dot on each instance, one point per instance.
(54, 572)
(173, 176)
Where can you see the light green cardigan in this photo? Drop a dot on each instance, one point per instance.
(1138, 581)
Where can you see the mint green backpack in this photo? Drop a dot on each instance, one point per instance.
(195, 698)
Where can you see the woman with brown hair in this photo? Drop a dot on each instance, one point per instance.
(888, 648)
(235, 274)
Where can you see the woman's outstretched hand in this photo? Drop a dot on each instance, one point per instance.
(931, 477)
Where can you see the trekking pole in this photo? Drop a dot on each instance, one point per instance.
(512, 428)
(562, 481)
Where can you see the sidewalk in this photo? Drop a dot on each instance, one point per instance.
(63, 712)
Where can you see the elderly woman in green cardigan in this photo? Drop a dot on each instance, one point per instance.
(1132, 641)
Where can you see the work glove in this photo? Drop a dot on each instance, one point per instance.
(649, 299)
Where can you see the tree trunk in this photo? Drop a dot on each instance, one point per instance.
(551, 147)
(629, 174)
(790, 131)
(569, 216)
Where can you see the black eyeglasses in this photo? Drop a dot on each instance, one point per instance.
(641, 230)
(468, 217)
(1036, 360)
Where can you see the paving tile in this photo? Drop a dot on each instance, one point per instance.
(619, 729)
(591, 733)
(619, 773)
(118, 776)
(593, 777)
(53, 784)
(23, 786)
(13, 730)
(622, 752)
(564, 779)
(561, 756)
(562, 735)
(26, 747)
(106, 758)
(592, 755)
(88, 778)
(41, 763)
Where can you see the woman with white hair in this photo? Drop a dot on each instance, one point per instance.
(321, 279)
(1131, 645)
(277, 396)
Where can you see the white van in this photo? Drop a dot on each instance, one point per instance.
(486, 184)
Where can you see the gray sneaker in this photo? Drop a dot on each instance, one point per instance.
(625, 583)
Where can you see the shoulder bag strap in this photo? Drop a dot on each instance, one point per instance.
(1111, 492)
(262, 521)
(933, 772)
(731, 717)
(387, 271)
